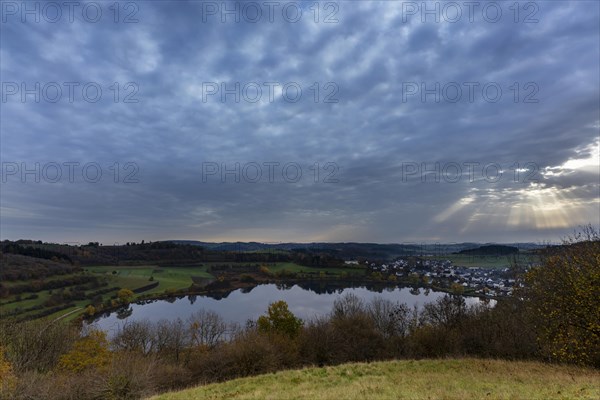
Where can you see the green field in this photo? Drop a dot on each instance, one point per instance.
(291, 267)
(139, 276)
(174, 277)
(464, 379)
(43, 295)
(169, 278)
(12, 303)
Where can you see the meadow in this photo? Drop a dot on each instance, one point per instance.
(464, 379)
(135, 277)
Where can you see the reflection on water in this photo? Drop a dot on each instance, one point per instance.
(306, 300)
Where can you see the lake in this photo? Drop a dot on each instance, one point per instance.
(242, 304)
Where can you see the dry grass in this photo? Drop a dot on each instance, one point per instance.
(463, 379)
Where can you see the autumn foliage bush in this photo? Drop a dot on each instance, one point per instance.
(563, 296)
(8, 380)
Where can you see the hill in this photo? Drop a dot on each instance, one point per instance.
(371, 251)
(425, 379)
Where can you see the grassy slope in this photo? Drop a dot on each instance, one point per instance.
(464, 379)
(43, 295)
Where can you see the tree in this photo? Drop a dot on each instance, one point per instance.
(563, 296)
(125, 295)
(390, 319)
(349, 305)
(135, 336)
(457, 288)
(90, 351)
(448, 311)
(280, 319)
(207, 328)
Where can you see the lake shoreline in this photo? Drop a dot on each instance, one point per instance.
(316, 286)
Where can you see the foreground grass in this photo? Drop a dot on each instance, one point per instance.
(465, 379)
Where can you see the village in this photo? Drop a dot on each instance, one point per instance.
(489, 282)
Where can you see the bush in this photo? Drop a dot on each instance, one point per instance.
(317, 343)
(356, 338)
(125, 295)
(249, 353)
(129, 376)
(8, 380)
(36, 345)
(563, 297)
(247, 278)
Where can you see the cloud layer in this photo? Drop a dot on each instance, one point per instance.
(388, 95)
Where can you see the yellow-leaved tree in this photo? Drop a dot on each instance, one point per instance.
(91, 351)
(563, 295)
(125, 295)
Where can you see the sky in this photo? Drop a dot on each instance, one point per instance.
(368, 121)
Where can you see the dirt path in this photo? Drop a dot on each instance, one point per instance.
(67, 314)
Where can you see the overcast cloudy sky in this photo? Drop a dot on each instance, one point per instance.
(201, 119)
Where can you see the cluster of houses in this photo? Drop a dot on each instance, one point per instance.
(492, 282)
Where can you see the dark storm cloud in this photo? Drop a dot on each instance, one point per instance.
(374, 133)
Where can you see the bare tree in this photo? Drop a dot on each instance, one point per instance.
(447, 311)
(137, 336)
(171, 338)
(390, 319)
(36, 345)
(207, 328)
(349, 305)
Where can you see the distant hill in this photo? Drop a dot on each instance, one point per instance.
(353, 250)
(465, 379)
(491, 250)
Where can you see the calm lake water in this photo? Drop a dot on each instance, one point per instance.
(242, 304)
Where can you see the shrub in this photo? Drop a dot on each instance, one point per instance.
(247, 278)
(317, 342)
(8, 380)
(563, 297)
(249, 353)
(129, 376)
(36, 345)
(125, 295)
